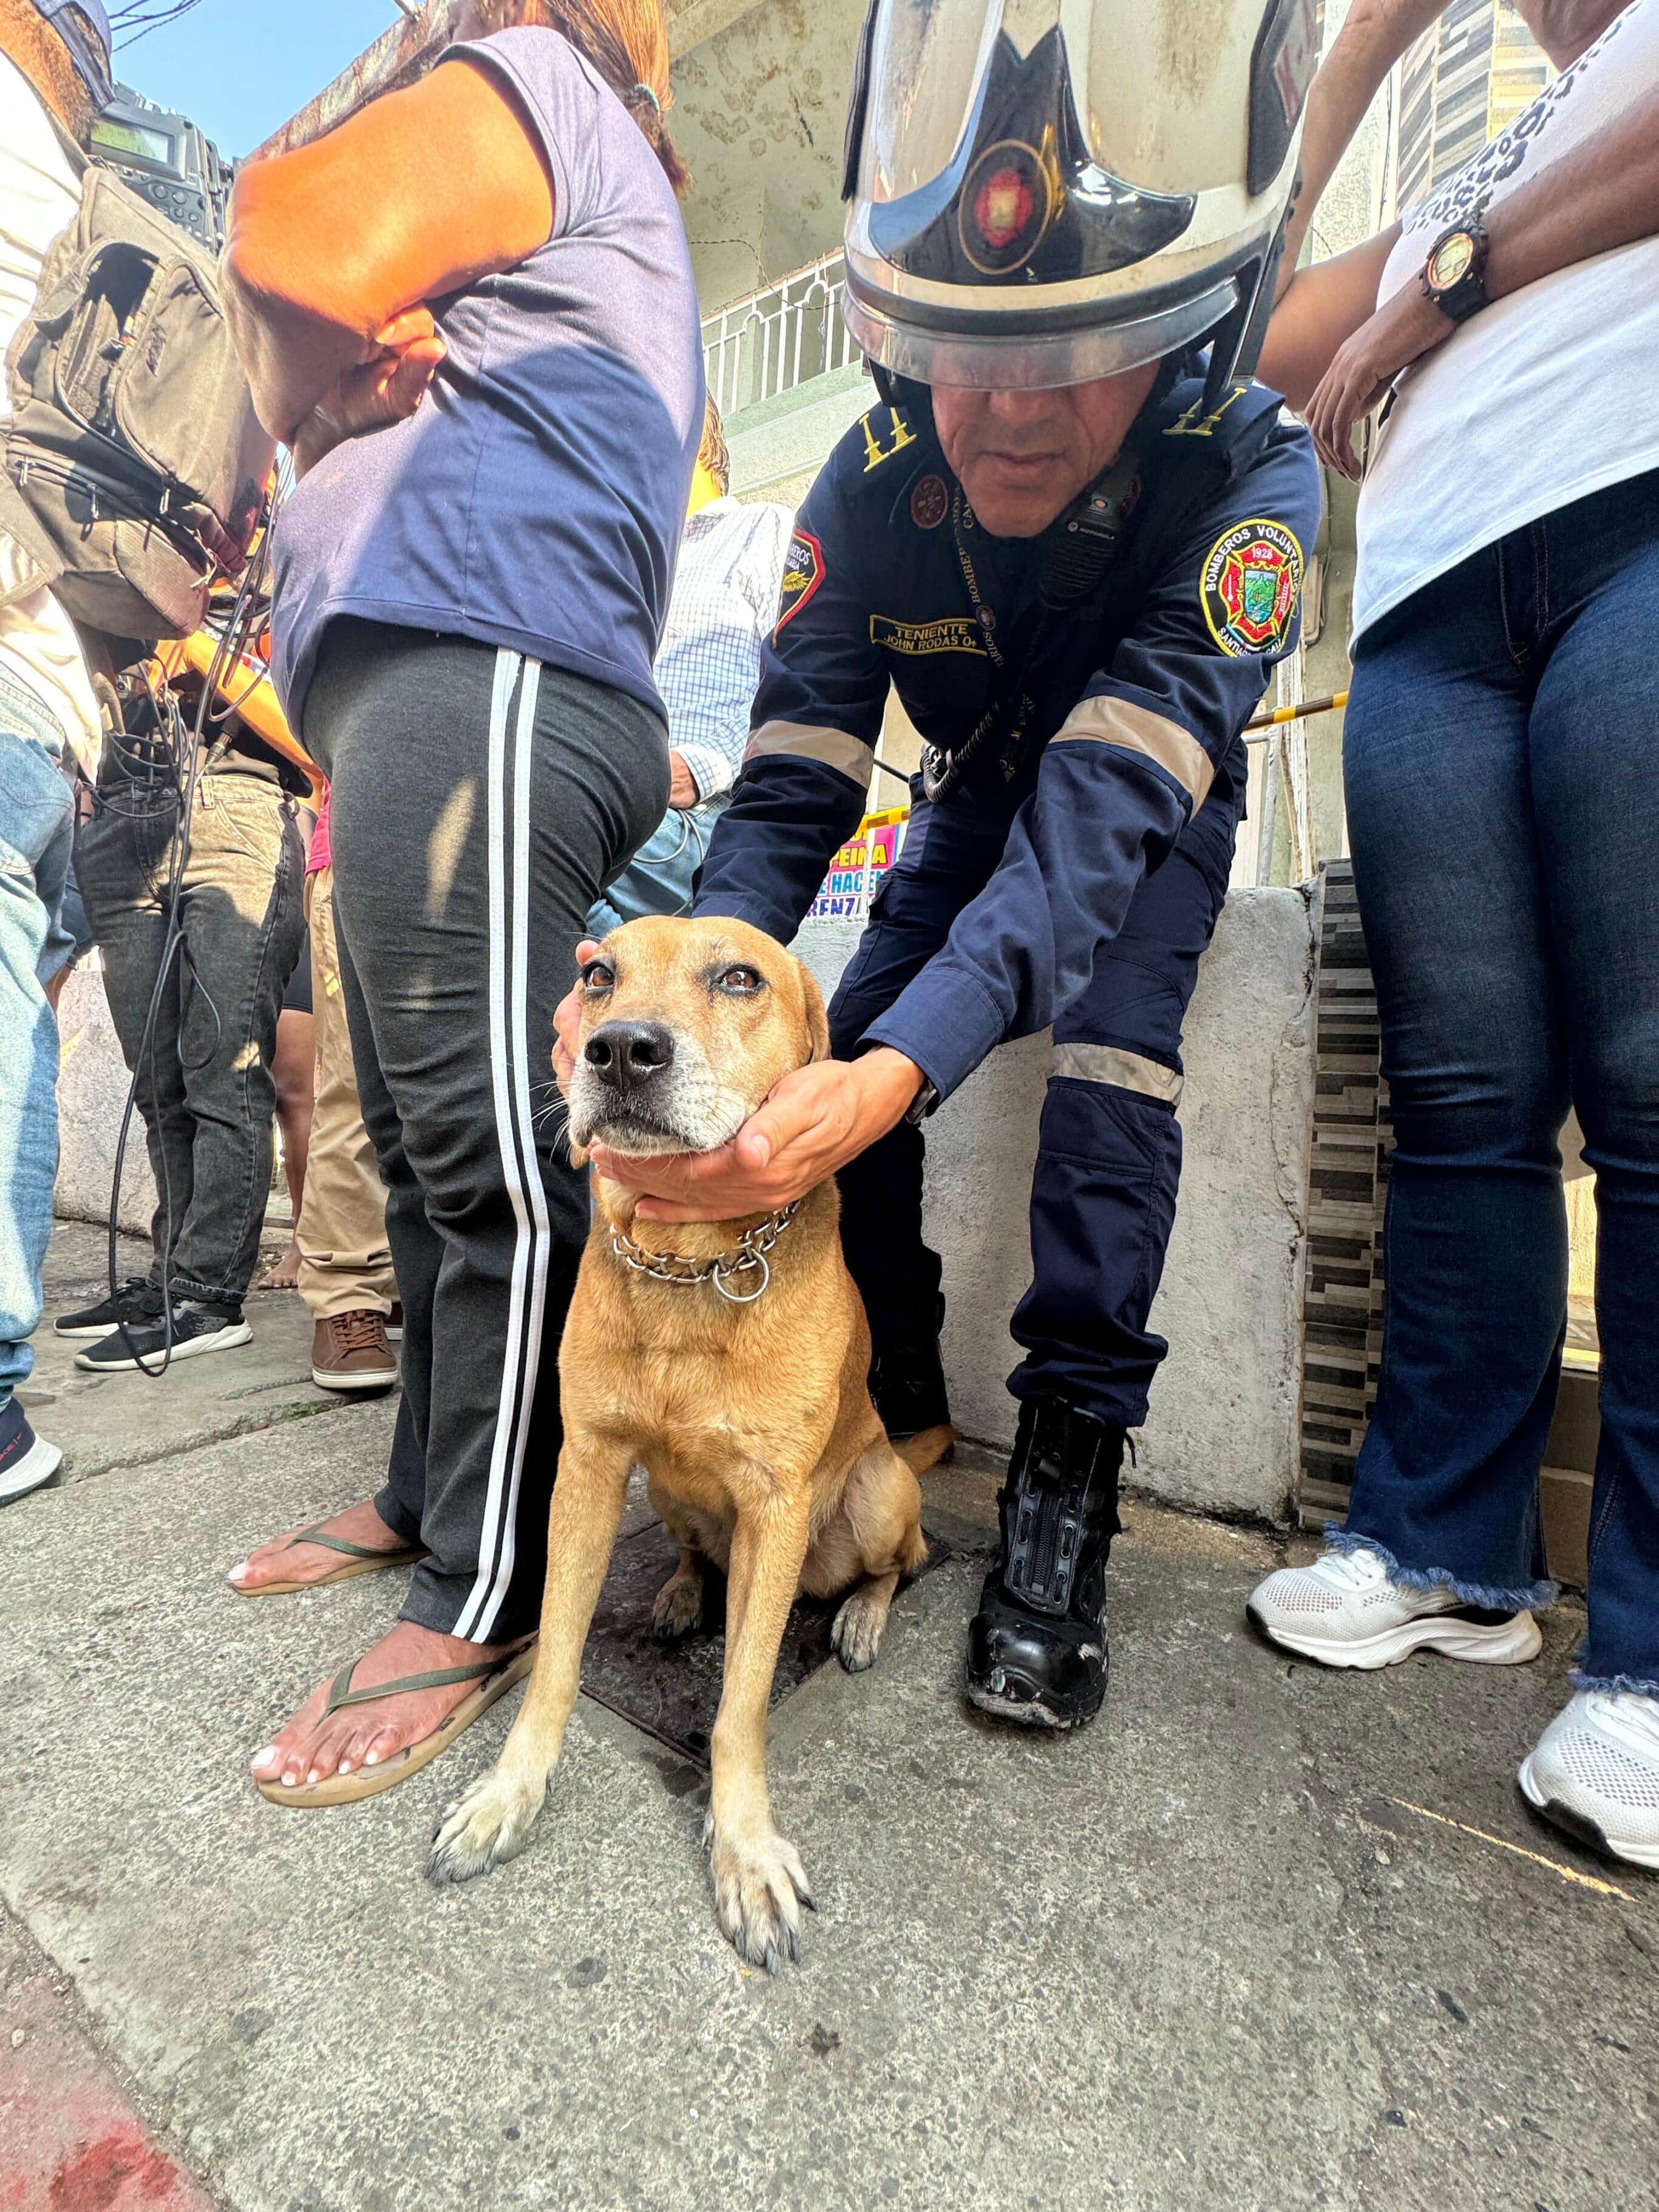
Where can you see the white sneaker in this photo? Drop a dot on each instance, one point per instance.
(1345, 1612)
(26, 1460)
(1595, 1772)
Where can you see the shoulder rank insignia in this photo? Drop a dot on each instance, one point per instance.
(1193, 423)
(1249, 586)
(803, 572)
(899, 435)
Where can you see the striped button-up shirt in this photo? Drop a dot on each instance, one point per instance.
(724, 604)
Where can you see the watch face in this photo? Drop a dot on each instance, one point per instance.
(1450, 261)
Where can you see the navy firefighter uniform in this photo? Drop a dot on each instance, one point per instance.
(1083, 695)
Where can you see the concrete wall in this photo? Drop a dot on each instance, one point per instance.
(1223, 1435)
(760, 115)
(92, 1091)
(779, 446)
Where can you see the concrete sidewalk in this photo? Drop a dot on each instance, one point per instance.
(1262, 1937)
(104, 1423)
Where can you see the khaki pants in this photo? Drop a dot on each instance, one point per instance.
(345, 1262)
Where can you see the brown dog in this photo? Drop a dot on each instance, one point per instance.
(731, 1357)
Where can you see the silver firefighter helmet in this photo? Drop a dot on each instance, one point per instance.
(1044, 190)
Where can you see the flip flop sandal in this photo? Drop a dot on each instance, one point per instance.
(361, 1559)
(494, 1678)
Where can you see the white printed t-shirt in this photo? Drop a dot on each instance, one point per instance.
(40, 197)
(1545, 396)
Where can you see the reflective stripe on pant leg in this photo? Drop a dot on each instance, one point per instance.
(509, 954)
(1102, 1205)
(1108, 1162)
(1129, 1071)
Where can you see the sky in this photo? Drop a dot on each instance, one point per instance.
(240, 68)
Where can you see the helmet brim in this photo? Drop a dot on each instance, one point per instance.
(977, 359)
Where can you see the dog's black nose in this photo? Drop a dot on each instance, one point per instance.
(629, 1054)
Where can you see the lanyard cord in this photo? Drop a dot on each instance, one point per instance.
(1075, 567)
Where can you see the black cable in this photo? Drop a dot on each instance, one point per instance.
(232, 643)
(899, 774)
(140, 17)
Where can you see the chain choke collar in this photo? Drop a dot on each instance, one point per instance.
(725, 1268)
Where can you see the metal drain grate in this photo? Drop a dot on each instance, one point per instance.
(672, 1691)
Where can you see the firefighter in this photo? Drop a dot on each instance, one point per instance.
(1072, 540)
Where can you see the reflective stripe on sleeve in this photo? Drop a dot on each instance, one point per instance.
(849, 757)
(1125, 1071)
(1137, 730)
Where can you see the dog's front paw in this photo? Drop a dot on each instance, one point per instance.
(678, 1609)
(760, 1885)
(490, 1821)
(855, 1632)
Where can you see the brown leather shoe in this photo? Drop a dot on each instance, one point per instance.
(349, 1351)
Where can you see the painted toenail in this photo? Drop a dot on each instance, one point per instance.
(345, 1766)
(263, 1757)
(371, 1759)
(288, 1781)
(315, 1775)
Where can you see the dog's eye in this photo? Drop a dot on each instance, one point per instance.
(599, 976)
(740, 982)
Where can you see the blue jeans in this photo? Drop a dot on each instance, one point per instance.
(36, 827)
(657, 879)
(1503, 791)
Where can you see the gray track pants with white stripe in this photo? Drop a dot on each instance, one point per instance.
(480, 803)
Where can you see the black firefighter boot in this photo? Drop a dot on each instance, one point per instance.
(1036, 1648)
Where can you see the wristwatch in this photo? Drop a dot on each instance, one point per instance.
(922, 1104)
(1455, 275)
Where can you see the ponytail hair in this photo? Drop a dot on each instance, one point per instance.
(626, 42)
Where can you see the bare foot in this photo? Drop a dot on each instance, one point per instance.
(283, 1561)
(311, 1746)
(282, 1274)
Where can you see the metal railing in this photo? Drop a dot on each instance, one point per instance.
(772, 340)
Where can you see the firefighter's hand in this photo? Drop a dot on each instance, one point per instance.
(815, 1121)
(386, 388)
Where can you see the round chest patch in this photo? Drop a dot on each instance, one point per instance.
(930, 503)
(1005, 208)
(1248, 587)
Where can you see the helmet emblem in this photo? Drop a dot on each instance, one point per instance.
(1005, 208)
(1251, 580)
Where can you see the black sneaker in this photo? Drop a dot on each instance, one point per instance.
(196, 1329)
(137, 1300)
(1036, 1648)
(26, 1460)
(907, 1381)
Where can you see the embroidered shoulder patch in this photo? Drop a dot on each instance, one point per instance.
(956, 634)
(1249, 586)
(803, 572)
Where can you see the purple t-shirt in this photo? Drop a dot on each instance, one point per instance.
(535, 499)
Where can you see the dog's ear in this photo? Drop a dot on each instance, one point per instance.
(818, 1022)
